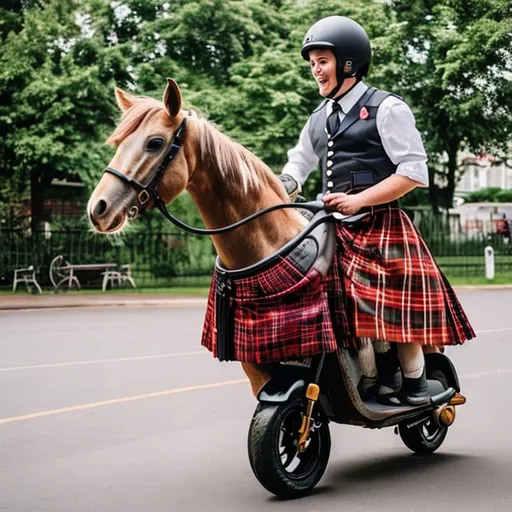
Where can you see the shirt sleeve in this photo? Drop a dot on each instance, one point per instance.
(402, 140)
(302, 158)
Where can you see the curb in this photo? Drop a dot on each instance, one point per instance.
(29, 305)
(63, 302)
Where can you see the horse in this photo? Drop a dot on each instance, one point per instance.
(226, 181)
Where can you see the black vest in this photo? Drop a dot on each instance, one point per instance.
(353, 158)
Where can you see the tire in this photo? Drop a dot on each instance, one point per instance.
(426, 437)
(423, 439)
(273, 454)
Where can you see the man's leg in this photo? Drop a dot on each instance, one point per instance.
(388, 367)
(366, 357)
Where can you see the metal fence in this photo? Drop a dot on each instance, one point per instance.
(459, 252)
(179, 259)
(157, 259)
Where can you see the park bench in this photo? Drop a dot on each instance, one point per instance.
(63, 275)
(27, 276)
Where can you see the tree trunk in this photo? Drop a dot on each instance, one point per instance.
(453, 152)
(36, 200)
(433, 190)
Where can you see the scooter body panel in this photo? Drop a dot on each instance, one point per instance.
(339, 397)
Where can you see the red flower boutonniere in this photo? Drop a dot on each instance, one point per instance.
(363, 114)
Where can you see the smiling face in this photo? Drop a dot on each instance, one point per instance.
(323, 68)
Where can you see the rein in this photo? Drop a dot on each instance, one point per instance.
(148, 191)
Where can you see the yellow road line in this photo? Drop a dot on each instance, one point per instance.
(114, 401)
(99, 361)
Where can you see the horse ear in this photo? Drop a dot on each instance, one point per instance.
(124, 100)
(172, 98)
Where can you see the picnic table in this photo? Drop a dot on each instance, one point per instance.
(63, 274)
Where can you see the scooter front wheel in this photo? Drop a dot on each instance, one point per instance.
(273, 449)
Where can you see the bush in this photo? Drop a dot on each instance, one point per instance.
(489, 195)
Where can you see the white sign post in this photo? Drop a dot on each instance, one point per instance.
(489, 262)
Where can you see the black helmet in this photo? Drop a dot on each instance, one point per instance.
(346, 39)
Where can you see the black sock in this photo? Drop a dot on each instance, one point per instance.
(388, 367)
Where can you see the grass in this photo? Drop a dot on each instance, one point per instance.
(202, 291)
(480, 280)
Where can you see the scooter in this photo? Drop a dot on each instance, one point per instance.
(289, 441)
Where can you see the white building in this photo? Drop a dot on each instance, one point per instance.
(482, 172)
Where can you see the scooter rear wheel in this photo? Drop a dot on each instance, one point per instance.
(423, 439)
(426, 437)
(273, 449)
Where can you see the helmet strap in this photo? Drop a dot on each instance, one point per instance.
(335, 90)
(333, 93)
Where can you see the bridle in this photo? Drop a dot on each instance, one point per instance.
(148, 192)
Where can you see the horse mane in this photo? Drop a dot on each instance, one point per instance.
(234, 162)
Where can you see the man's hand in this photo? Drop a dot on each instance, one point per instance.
(343, 203)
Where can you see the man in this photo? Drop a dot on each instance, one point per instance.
(371, 154)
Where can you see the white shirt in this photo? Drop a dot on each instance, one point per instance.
(397, 129)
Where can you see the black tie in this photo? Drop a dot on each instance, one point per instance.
(333, 121)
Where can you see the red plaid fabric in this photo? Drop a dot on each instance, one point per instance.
(278, 315)
(394, 290)
(383, 284)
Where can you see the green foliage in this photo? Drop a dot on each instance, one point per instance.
(56, 99)
(490, 195)
(239, 62)
(452, 61)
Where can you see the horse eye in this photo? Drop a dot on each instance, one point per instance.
(154, 144)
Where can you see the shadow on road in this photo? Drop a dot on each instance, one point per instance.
(403, 466)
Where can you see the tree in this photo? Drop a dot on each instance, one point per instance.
(270, 94)
(239, 62)
(454, 63)
(56, 98)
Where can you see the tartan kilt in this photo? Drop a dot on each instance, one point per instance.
(279, 314)
(394, 290)
(383, 284)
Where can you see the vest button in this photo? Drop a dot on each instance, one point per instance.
(330, 184)
(329, 163)
(329, 172)
(330, 153)
(330, 143)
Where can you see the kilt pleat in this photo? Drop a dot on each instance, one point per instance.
(394, 289)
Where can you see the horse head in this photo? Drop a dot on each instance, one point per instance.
(142, 137)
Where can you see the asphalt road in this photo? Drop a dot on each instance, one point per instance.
(120, 409)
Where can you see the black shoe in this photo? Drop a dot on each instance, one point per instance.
(415, 391)
(367, 387)
(389, 388)
(390, 376)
